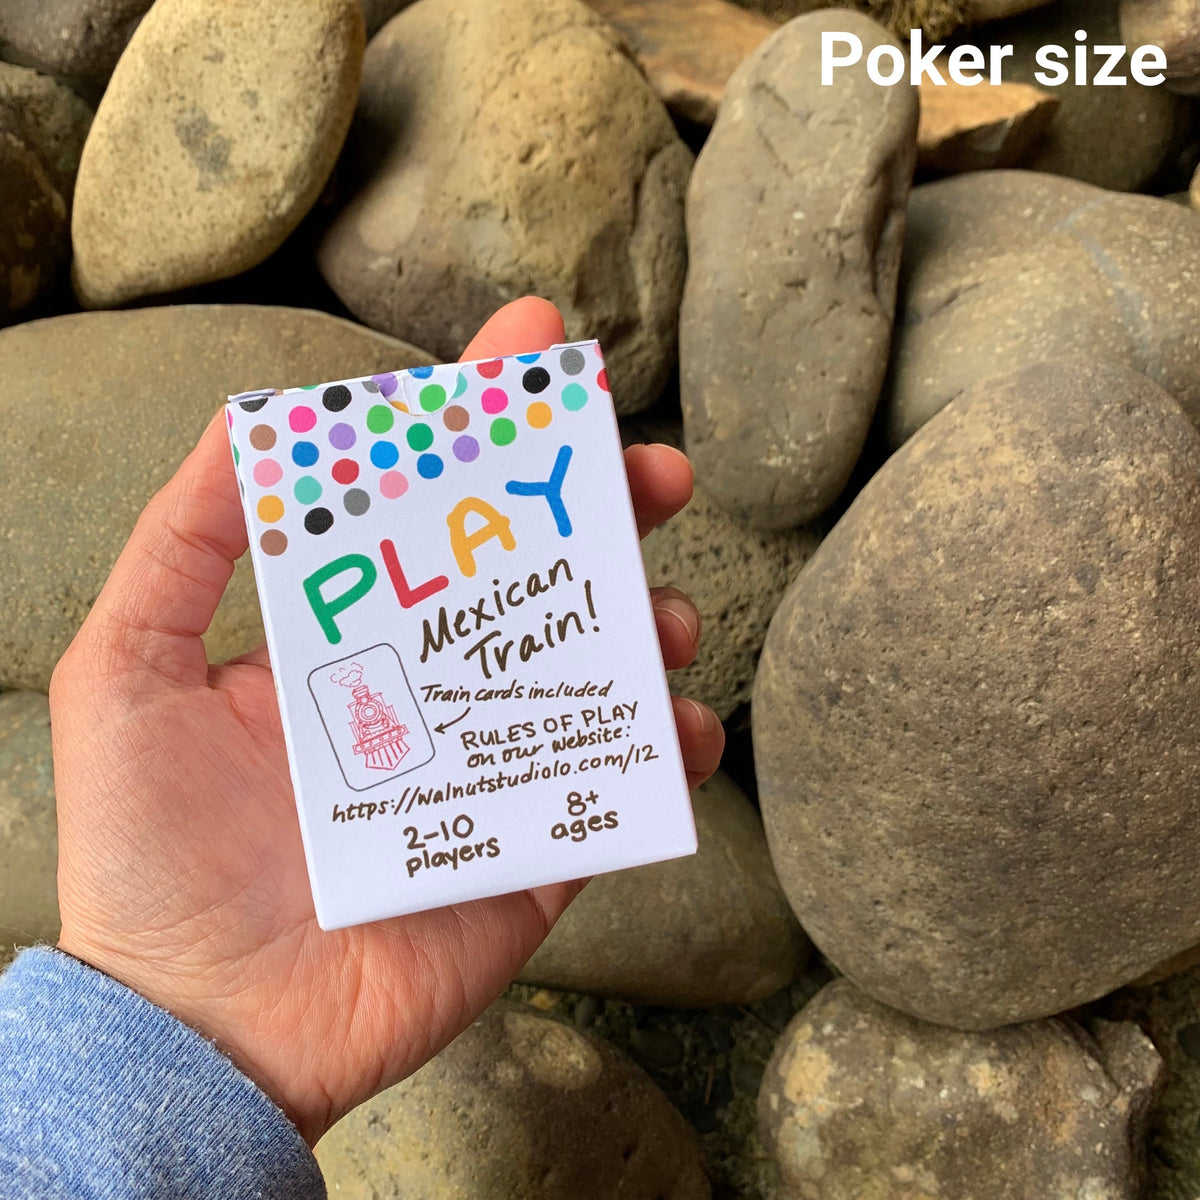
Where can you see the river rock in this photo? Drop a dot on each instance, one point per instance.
(28, 825)
(937, 17)
(379, 12)
(974, 718)
(204, 156)
(859, 1101)
(710, 929)
(78, 39)
(1175, 26)
(101, 408)
(1114, 137)
(1095, 274)
(519, 1105)
(49, 119)
(795, 224)
(507, 148)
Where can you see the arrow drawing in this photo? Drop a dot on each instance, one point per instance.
(444, 725)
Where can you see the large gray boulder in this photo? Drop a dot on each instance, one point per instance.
(28, 825)
(101, 408)
(519, 1105)
(795, 224)
(975, 713)
(1005, 269)
(503, 148)
(859, 1101)
(713, 928)
(204, 156)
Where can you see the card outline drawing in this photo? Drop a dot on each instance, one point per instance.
(347, 658)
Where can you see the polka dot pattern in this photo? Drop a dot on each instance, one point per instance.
(384, 455)
(307, 490)
(466, 448)
(270, 509)
(429, 466)
(356, 502)
(267, 472)
(456, 418)
(392, 485)
(305, 454)
(536, 379)
(420, 437)
(342, 436)
(301, 419)
(336, 398)
(503, 432)
(539, 415)
(318, 520)
(494, 400)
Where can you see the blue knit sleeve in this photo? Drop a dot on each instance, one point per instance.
(104, 1096)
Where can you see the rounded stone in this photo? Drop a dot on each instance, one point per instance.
(974, 717)
(507, 148)
(101, 408)
(33, 228)
(28, 824)
(1093, 274)
(784, 340)
(1174, 25)
(49, 119)
(712, 928)
(518, 1105)
(205, 155)
(860, 1101)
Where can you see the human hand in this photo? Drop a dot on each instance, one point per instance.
(181, 870)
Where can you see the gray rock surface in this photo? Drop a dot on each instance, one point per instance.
(205, 154)
(43, 125)
(28, 826)
(379, 12)
(1092, 273)
(974, 718)
(101, 408)
(862, 1103)
(508, 148)
(710, 929)
(520, 1105)
(795, 223)
(1175, 26)
(1114, 137)
(79, 39)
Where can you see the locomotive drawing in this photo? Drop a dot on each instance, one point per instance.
(379, 736)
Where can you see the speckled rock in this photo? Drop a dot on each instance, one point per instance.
(974, 718)
(1175, 26)
(1095, 274)
(862, 1103)
(519, 1105)
(101, 408)
(78, 39)
(713, 928)
(970, 128)
(1114, 137)
(42, 129)
(1169, 1012)
(784, 344)
(205, 154)
(507, 148)
(28, 826)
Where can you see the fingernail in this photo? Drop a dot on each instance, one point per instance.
(704, 716)
(684, 613)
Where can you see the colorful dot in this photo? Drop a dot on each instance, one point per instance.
(302, 418)
(262, 437)
(384, 455)
(273, 542)
(336, 398)
(307, 490)
(529, 358)
(503, 431)
(429, 466)
(420, 372)
(392, 484)
(494, 400)
(344, 471)
(386, 384)
(466, 448)
(380, 418)
(538, 414)
(237, 458)
(456, 418)
(536, 379)
(255, 404)
(270, 509)
(369, 385)
(460, 385)
(420, 437)
(318, 520)
(267, 472)
(341, 436)
(572, 361)
(432, 397)
(602, 378)
(574, 397)
(305, 454)
(356, 501)
(490, 369)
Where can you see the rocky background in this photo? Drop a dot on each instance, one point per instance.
(936, 358)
